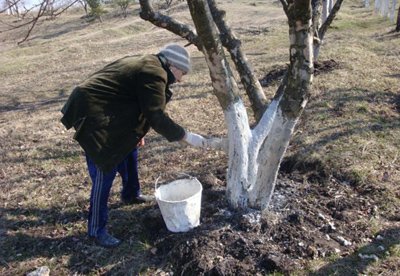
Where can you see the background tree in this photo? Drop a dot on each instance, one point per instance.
(320, 29)
(95, 9)
(254, 153)
(398, 21)
(11, 7)
(84, 6)
(123, 5)
(46, 9)
(392, 10)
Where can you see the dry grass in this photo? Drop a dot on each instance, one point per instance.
(351, 128)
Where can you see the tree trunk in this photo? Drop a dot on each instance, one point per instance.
(377, 5)
(398, 21)
(384, 8)
(322, 30)
(392, 10)
(325, 10)
(330, 5)
(254, 154)
(287, 106)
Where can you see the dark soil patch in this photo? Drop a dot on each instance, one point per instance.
(305, 221)
(396, 102)
(276, 75)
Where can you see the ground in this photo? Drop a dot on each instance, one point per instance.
(335, 210)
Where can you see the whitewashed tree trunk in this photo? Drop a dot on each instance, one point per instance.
(254, 154)
(384, 8)
(393, 11)
(330, 5)
(325, 10)
(377, 5)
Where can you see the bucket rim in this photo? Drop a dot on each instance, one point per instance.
(176, 201)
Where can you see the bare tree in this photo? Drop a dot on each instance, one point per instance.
(254, 153)
(123, 5)
(84, 5)
(44, 10)
(11, 7)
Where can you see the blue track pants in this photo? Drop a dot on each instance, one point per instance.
(101, 186)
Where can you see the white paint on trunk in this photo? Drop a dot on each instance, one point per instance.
(259, 133)
(255, 155)
(330, 5)
(269, 159)
(325, 10)
(239, 139)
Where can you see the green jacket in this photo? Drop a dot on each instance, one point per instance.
(116, 106)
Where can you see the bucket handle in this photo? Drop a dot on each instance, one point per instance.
(155, 184)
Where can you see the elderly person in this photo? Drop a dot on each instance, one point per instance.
(111, 112)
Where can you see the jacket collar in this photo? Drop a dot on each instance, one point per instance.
(170, 75)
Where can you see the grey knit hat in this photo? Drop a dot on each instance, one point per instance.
(177, 56)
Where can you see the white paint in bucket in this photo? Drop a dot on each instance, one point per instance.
(180, 204)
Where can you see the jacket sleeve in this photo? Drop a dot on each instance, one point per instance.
(152, 101)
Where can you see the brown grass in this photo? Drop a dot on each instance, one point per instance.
(350, 128)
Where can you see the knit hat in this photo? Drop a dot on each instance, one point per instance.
(177, 56)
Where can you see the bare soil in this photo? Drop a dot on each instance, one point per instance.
(307, 221)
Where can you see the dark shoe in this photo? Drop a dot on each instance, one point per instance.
(106, 240)
(138, 200)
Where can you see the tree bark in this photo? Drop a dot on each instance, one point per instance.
(147, 13)
(233, 45)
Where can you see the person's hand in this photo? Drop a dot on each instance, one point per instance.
(194, 139)
(140, 143)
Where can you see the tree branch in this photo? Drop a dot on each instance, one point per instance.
(232, 44)
(147, 13)
(327, 23)
(225, 87)
(285, 6)
(41, 11)
(66, 8)
(10, 6)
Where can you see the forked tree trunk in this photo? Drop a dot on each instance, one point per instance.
(254, 154)
(319, 32)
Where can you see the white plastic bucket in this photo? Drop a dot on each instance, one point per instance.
(180, 204)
